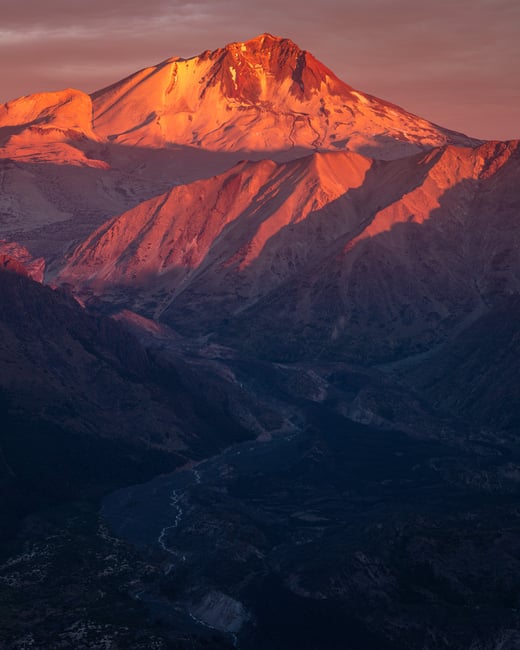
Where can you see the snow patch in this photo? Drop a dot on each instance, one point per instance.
(233, 75)
(361, 97)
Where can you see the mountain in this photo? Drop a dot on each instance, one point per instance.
(265, 94)
(374, 260)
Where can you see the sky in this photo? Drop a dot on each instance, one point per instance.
(454, 62)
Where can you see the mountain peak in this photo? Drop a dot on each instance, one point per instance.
(264, 40)
(266, 36)
(253, 71)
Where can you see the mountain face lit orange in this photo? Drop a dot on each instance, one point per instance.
(262, 95)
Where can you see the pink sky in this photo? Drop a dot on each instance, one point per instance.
(455, 63)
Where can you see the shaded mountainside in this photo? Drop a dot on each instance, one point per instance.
(67, 365)
(478, 374)
(46, 204)
(83, 403)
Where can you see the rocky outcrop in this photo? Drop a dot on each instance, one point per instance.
(14, 257)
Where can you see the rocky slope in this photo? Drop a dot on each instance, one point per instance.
(225, 221)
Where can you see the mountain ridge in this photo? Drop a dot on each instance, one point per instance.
(314, 232)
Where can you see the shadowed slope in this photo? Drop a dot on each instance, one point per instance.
(89, 376)
(478, 374)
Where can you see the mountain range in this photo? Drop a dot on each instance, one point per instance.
(240, 246)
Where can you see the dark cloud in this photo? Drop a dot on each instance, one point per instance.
(456, 63)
